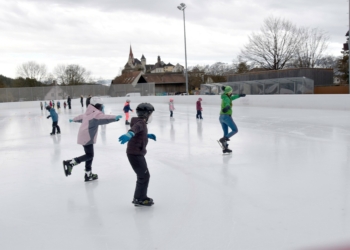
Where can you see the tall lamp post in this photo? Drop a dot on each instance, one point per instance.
(182, 7)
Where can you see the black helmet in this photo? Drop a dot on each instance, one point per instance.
(144, 110)
(48, 107)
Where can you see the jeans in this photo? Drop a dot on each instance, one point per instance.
(139, 164)
(88, 157)
(227, 122)
(199, 114)
(171, 113)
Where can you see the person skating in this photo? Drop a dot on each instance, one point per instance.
(171, 107)
(137, 138)
(87, 135)
(199, 109)
(226, 117)
(58, 105)
(126, 110)
(64, 105)
(41, 105)
(88, 100)
(82, 101)
(54, 117)
(69, 102)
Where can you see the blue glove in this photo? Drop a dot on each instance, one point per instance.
(151, 136)
(118, 117)
(126, 137)
(70, 120)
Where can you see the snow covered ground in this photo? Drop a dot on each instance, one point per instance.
(285, 186)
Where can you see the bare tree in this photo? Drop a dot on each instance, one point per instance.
(72, 74)
(32, 70)
(313, 44)
(275, 45)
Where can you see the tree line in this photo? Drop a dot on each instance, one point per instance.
(32, 74)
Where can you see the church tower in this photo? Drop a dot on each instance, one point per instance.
(131, 60)
(143, 61)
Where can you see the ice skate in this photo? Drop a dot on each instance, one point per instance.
(58, 133)
(90, 177)
(127, 123)
(222, 142)
(52, 133)
(68, 166)
(145, 203)
(227, 151)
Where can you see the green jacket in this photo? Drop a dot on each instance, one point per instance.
(226, 102)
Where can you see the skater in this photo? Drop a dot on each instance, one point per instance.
(126, 111)
(58, 105)
(88, 100)
(137, 138)
(45, 105)
(226, 117)
(53, 103)
(50, 104)
(82, 101)
(199, 109)
(54, 117)
(69, 102)
(87, 135)
(171, 106)
(41, 105)
(64, 105)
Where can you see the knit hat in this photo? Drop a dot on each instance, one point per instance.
(96, 100)
(228, 89)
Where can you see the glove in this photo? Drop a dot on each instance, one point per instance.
(151, 136)
(70, 120)
(48, 117)
(242, 95)
(118, 117)
(227, 108)
(126, 137)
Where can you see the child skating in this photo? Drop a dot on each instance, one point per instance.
(199, 109)
(126, 111)
(54, 117)
(171, 106)
(226, 117)
(87, 135)
(137, 138)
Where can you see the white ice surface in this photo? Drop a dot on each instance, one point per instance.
(285, 186)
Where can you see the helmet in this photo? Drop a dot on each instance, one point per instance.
(48, 107)
(144, 110)
(97, 102)
(127, 100)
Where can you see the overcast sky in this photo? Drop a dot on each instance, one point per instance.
(97, 34)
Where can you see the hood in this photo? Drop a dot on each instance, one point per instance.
(91, 109)
(126, 103)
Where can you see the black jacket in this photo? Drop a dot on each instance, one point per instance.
(138, 143)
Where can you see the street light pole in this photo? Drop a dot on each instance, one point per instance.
(182, 7)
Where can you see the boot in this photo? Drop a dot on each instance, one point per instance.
(68, 166)
(127, 122)
(90, 176)
(145, 203)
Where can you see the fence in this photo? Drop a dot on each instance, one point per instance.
(62, 92)
(294, 85)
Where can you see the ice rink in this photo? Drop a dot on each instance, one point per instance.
(286, 185)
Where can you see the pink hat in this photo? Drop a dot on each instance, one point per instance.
(171, 99)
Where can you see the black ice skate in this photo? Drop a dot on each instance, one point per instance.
(127, 123)
(145, 203)
(58, 133)
(222, 142)
(90, 177)
(68, 166)
(52, 133)
(227, 150)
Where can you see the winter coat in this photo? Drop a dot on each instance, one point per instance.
(68, 100)
(53, 115)
(137, 144)
(127, 108)
(171, 106)
(90, 121)
(81, 100)
(226, 104)
(199, 106)
(88, 101)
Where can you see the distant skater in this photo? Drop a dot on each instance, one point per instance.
(126, 110)
(54, 117)
(171, 107)
(64, 105)
(87, 136)
(69, 100)
(41, 105)
(88, 100)
(137, 138)
(199, 109)
(58, 105)
(226, 117)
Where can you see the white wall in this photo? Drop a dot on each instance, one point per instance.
(335, 102)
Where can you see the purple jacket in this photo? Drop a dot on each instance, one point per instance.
(89, 127)
(137, 144)
(199, 106)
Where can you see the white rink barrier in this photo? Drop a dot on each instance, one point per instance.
(332, 102)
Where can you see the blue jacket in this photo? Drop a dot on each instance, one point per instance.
(127, 108)
(54, 115)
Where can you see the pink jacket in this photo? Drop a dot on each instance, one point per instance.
(89, 127)
(171, 106)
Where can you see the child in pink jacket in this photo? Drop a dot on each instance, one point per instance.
(87, 135)
(171, 107)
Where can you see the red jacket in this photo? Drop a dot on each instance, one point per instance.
(199, 106)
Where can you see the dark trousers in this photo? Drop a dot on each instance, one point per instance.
(82, 104)
(199, 114)
(171, 113)
(54, 126)
(69, 105)
(139, 164)
(88, 157)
